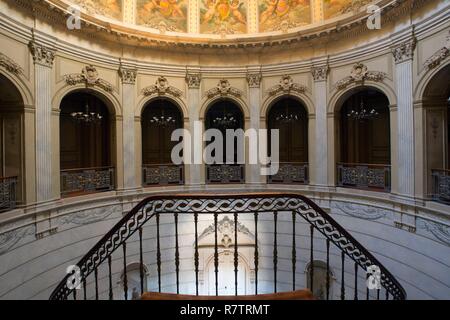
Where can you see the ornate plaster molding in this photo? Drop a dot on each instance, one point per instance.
(359, 74)
(10, 65)
(224, 88)
(162, 87)
(404, 51)
(436, 59)
(128, 76)
(320, 73)
(41, 54)
(89, 216)
(225, 228)
(89, 76)
(286, 85)
(193, 80)
(254, 80)
(360, 211)
(440, 231)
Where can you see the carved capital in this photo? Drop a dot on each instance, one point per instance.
(254, 80)
(359, 74)
(89, 76)
(224, 88)
(128, 76)
(162, 87)
(287, 86)
(193, 80)
(404, 51)
(320, 73)
(10, 65)
(41, 54)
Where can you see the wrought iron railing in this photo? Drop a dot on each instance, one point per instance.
(8, 193)
(364, 176)
(162, 175)
(291, 173)
(225, 173)
(441, 186)
(314, 234)
(87, 180)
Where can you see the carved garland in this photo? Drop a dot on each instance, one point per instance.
(223, 88)
(359, 74)
(10, 65)
(162, 87)
(90, 77)
(286, 85)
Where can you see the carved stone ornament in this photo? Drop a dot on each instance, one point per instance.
(89, 76)
(225, 230)
(286, 85)
(320, 73)
(193, 80)
(41, 54)
(224, 88)
(404, 51)
(128, 76)
(254, 80)
(437, 58)
(10, 65)
(162, 87)
(359, 74)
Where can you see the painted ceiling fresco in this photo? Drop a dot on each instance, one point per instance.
(169, 14)
(333, 8)
(108, 8)
(223, 16)
(283, 14)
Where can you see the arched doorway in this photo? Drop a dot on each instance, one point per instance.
(86, 135)
(159, 119)
(227, 163)
(290, 117)
(436, 102)
(364, 141)
(11, 145)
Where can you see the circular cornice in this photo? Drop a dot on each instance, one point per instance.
(59, 10)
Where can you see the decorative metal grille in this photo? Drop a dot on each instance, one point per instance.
(441, 185)
(224, 173)
(159, 175)
(87, 180)
(8, 193)
(364, 176)
(156, 207)
(291, 173)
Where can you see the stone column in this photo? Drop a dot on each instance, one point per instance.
(194, 174)
(43, 63)
(319, 172)
(253, 171)
(128, 76)
(403, 56)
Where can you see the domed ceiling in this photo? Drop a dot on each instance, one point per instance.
(219, 18)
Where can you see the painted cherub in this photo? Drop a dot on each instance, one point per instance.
(211, 5)
(234, 6)
(176, 9)
(271, 6)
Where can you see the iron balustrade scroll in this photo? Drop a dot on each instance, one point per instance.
(291, 173)
(225, 173)
(441, 186)
(281, 207)
(87, 180)
(163, 174)
(8, 193)
(364, 176)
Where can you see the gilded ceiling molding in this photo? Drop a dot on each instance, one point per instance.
(405, 51)
(90, 77)
(359, 74)
(286, 85)
(254, 80)
(10, 65)
(223, 88)
(128, 76)
(162, 87)
(193, 80)
(320, 73)
(41, 54)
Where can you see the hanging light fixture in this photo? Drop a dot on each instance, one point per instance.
(162, 120)
(86, 116)
(362, 113)
(287, 117)
(226, 121)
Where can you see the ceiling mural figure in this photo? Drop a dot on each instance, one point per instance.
(223, 16)
(168, 14)
(283, 14)
(333, 8)
(107, 8)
